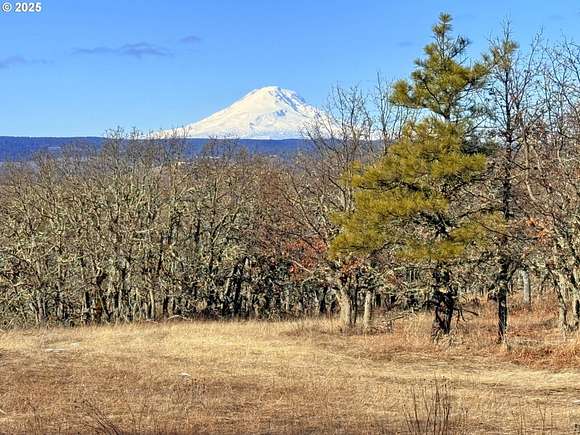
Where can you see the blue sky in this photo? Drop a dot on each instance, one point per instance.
(81, 67)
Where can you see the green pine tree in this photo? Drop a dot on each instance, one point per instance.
(413, 201)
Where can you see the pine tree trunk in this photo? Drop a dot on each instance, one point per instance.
(449, 299)
(444, 301)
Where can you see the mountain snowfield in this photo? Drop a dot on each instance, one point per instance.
(266, 113)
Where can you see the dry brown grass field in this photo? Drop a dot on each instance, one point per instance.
(292, 377)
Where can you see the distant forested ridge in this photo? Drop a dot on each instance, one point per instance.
(21, 147)
(15, 148)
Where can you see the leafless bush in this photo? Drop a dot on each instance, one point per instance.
(433, 410)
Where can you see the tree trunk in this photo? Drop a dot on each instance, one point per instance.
(527, 289)
(562, 313)
(368, 310)
(150, 308)
(575, 296)
(41, 310)
(165, 307)
(562, 292)
(444, 301)
(502, 312)
(86, 311)
(576, 310)
(503, 282)
(444, 306)
(346, 308)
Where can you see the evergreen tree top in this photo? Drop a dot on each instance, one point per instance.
(441, 80)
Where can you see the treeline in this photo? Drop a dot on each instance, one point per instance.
(416, 194)
(133, 231)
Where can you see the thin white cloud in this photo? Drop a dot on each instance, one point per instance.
(11, 61)
(190, 39)
(137, 50)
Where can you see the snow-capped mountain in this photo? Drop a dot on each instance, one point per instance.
(266, 113)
